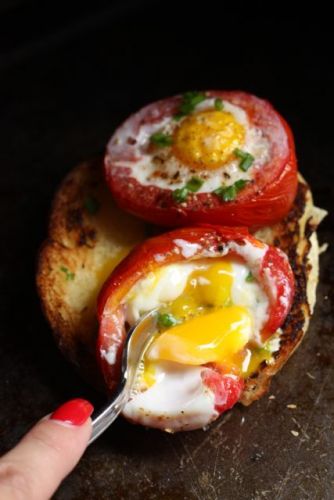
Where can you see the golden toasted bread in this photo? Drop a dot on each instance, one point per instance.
(89, 235)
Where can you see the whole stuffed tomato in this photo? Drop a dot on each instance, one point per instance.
(221, 157)
(220, 298)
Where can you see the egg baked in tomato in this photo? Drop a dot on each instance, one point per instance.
(220, 295)
(221, 157)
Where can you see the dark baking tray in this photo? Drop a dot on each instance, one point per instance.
(67, 78)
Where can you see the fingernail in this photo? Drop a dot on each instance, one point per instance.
(74, 412)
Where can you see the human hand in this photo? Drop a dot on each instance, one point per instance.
(34, 469)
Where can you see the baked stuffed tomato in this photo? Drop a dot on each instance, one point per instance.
(220, 297)
(212, 157)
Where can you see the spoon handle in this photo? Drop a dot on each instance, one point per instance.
(107, 416)
(137, 340)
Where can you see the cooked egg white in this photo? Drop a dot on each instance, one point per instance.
(164, 285)
(203, 145)
(178, 400)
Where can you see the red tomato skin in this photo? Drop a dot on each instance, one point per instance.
(281, 273)
(163, 250)
(226, 388)
(264, 203)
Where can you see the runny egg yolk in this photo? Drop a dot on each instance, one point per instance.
(209, 287)
(211, 338)
(206, 140)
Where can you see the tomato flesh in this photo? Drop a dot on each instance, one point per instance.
(227, 389)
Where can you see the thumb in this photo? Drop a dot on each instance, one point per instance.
(35, 467)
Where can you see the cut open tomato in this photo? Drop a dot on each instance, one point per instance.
(267, 264)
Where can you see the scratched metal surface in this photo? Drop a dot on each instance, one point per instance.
(64, 87)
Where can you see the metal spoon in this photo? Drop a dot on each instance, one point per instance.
(136, 342)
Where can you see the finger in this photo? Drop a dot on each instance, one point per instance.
(35, 467)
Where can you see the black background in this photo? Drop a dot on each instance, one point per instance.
(69, 73)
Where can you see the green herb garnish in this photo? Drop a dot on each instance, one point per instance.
(246, 159)
(229, 193)
(92, 205)
(219, 105)
(250, 278)
(192, 186)
(161, 140)
(166, 320)
(180, 195)
(189, 103)
(226, 193)
(240, 184)
(68, 274)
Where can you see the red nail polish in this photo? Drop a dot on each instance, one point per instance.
(74, 412)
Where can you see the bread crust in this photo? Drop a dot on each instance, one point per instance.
(88, 243)
(296, 236)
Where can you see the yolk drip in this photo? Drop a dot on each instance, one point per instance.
(258, 355)
(210, 287)
(206, 140)
(210, 338)
(149, 373)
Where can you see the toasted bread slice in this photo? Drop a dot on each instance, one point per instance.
(89, 235)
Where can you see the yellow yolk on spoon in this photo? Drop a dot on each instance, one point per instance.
(209, 338)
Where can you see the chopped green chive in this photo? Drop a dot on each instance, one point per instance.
(226, 193)
(246, 163)
(240, 184)
(180, 195)
(250, 278)
(68, 274)
(92, 205)
(194, 184)
(189, 102)
(161, 140)
(166, 320)
(230, 192)
(246, 159)
(219, 105)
